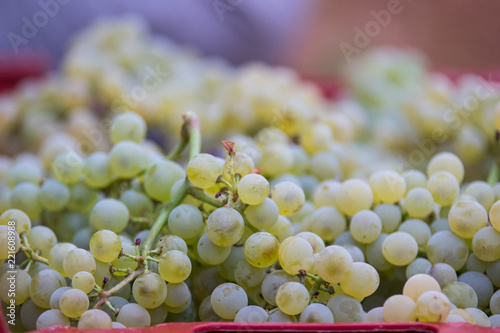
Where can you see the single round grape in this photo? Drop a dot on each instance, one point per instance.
(207, 314)
(149, 290)
(116, 324)
(361, 280)
(390, 216)
(78, 260)
(388, 186)
(158, 315)
(210, 253)
(316, 313)
(226, 269)
(82, 197)
(261, 249)
(399, 309)
(446, 162)
(42, 238)
(253, 189)
(327, 222)
(248, 276)
(461, 294)
(279, 317)
(355, 252)
(418, 266)
(333, 263)
(466, 218)
(186, 221)
(126, 159)
(15, 286)
(105, 245)
(282, 229)
(414, 178)
(295, 254)
(419, 230)
(346, 309)
(400, 248)
(94, 319)
(486, 244)
(53, 195)
(225, 226)
(480, 318)
(26, 197)
(67, 167)
(242, 164)
(432, 306)
(419, 203)
(314, 240)
(495, 320)
(57, 254)
(174, 266)
(289, 198)
(482, 192)
(178, 296)
(21, 221)
(56, 296)
(172, 242)
(160, 178)
(292, 298)
(227, 299)
(23, 172)
(124, 262)
(73, 303)
(446, 247)
(277, 158)
(324, 193)
(365, 226)
(127, 126)
(203, 170)
(419, 284)
(375, 315)
(10, 241)
(251, 314)
(83, 281)
(109, 214)
(494, 215)
(444, 187)
(325, 165)
(475, 264)
(493, 272)
(29, 314)
(97, 171)
(375, 256)
(43, 285)
(495, 303)
(138, 203)
(263, 215)
(353, 196)
(272, 282)
(51, 318)
(443, 273)
(304, 213)
(316, 137)
(481, 285)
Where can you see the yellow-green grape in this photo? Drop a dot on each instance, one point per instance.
(178, 296)
(314, 240)
(26, 197)
(105, 245)
(22, 222)
(78, 260)
(463, 314)
(272, 282)
(261, 249)
(248, 276)
(400, 248)
(482, 192)
(277, 159)
(67, 167)
(419, 203)
(419, 284)
(241, 165)
(252, 314)
(446, 247)
(109, 214)
(333, 263)
(494, 216)
(486, 244)
(42, 238)
(253, 189)
(83, 281)
(134, 315)
(138, 203)
(226, 269)
(160, 178)
(82, 197)
(480, 318)
(126, 159)
(289, 198)
(57, 254)
(387, 186)
(127, 126)
(292, 298)
(414, 178)
(481, 285)
(361, 280)
(325, 165)
(124, 262)
(461, 294)
(149, 290)
(172, 242)
(97, 171)
(225, 226)
(432, 306)
(15, 286)
(444, 187)
(399, 309)
(210, 253)
(73, 303)
(94, 319)
(186, 221)
(327, 222)
(419, 230)
(390, 216)
(466, 217)
(316, 137)
(227, 299)
(346, 309)
(158, 315)
(10, 241)
(43, 285)
(203, 170)
(50, 318)
(174, 266)
(263, 215)
(365, 226)
(325, 192)
(282, 229)
(53, 195)
(23, 172)
(446, 162)
(375, 315)
(375, 256)
(353, 196)
(295, 254)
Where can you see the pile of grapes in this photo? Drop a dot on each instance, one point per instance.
(125, 212)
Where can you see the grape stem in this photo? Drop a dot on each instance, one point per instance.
(202, 196)
(141, 220)
(314, 289)
(272, 311)
(494, 174)
(32, 254)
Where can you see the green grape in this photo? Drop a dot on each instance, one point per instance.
(42, 238)
(390, 216)
(352, 196)
(186, 221)
(420, 231)
(82, 197)
(466, 218)
(210, 253)
(292, 298)
(78, 260)
(205, 281)
(248, 276)
(117, 302)
(263, 215)
(51, 318)
(172, 242)
(30, 312)
(444, 187)
(495, 303)
(400, 248)
(158, 315)
(227, 299)
(399, 309)
(124, 292)
(10, 241)
(442, 273)
(94, 319)
(432, 306)
(134, 315)
(314, 240)
(440, 225)
(82, 238)
(316, 313)
(413, 179)
(36, 267)
(461, 294)
(26, 197)
(53, 195)
(253, 189)
(418, 266)
(124, 262)
(57, 254)
(493, 272)
(495, 320)
(126, 159)
(174, 266)
(289, 198)
(333, 263)
(43, 285)
(67, 167)
(138, 204)
(375, 315)
(361, 280)
(494, 216)
(346, 309)
(149, 290)
(481, 285)
(280, 317)
(446, 162)
(226, 269)
(261, 249)
(97, 171)
(375, 256)
(324, 193)
(480, 318)
(419, 284)
(475, 264)
(22, 222)
(282, 229)
(272, 282)
(486, 244)
(207, 314)
(295, 254)
(178, 296)
(4, 198)
(83, 281)
(160, 178)
(327, 222)
(482, 192)
(308, 184)
(225, 226)
(446, 247)
(316, 138)
(73, 303)
(419, 203)
(251, 314)
(277, 158)
(105, 245)
(56, 296)
(387, 186)
(242, 164)
(127, 126)
(69, 224)
(304, 213)
(365, 226)
(203, 170)
(325, 165)
(109, 214)
(17, 280)
(355, 252)
(23, 173)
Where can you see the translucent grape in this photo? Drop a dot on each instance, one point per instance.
(432, 306)
(361, 280)
(126, 159)
(324, 194)
(442, 273)
(333, 263)
(29, 314)
(353, 196)
(73, 303)
(94, 319)
(83, 281)
(446, 162)
(225, 226)
(105, 245)
(346, 309)
(203, 170)
(295, 254)
(272, 282)
(375, 256)
(43, 285)
(400, 248)
(26, 197)
(186, 222)
(414, 178)
(486, 244)
(138, 203)
(328, 223)
(15, 286)
(316, 137)
(210, 253)
(160, 178)
(419, 284)
(127, 126)
(466, 218)
(480, 318)
(53, 195)
(57, 254)
(446, 247)
(494, 215)
(419, 230)
(388, 186)
(419, 203)
(109, 214)
(149, 290)
(475, 264)
(178, 295)
(263, 215)
(365, 226)
(390, 216)
(482, 192)
(172, 242)
(253, 189)
(277, 158)
(97, 171)
(282, 229)
(261, 249)
(292, 298)
(174, 266)
(444, 187)
(316, 313)
(251, 314)
(242, 164)
(481, 285)
(82, 197)
(42, 238)
(10, 241)
(51, 318)
(280, 317)
(289, 198)
(418, 266)
(495, 303)
(78, 260)
(314, 240)
(325, 165)
(375, 315)
(461, 294)
(67, 167)
(398, 309)
(22, 172)
(227, 299)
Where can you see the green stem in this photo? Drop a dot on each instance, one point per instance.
(176, 153)
(141, 220)
(315, 288)
(152, 259)
(194, 132)
(494, 174)
(314, 277)
(273, 310)
(25, 246)
(108, 293)
(202, 196)
(247, 224)
(27, 268)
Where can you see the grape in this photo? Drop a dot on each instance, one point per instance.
(248, 276)
(316, 313)
(375, 315)
(361, 280)
(203, 170)
(390, 216)
(466, 218)
(124, 262)
(261, 249)
(333, 263)
(365, 226)
(26, 197)
(461, 294)
(178, 295)
(325, 165)
(493, 272)
(446, 247)
(482, 192)
(10, 241)
(253, 189)
(22, 172)
(314, 240)
(413, 179)
(419, 203)
(292, 298)
(324, 194)
(277, 158)
(328, 223)
(475, 264)
(355, 252)
(316, 137)
(97, 171)
(82, 197)
(138, 203)
(158, 315)
(443, 273)
(56, 296)
(418, 266)
(17, 280)
(109, 214)
(272, 282)
(117, 302)
(289, 198)
(400, 248)
(57, 254)
(419, 230)
(51, 318)
(43, 285)
(494, 216)
(105, 245)
(282, 229)
(295, 254)
(78, 260)
(42, 238)
(486, 244)
(432, 306)
(280, 317)
(444, 187)
(387, 186)
(210, 253)
(304, 213)
(174, 266)
(440, 225)
(73, 303)
(263, 215)
(346, 309)
(29, 314)
(446, 162)
(226, 269)
(160, 178)
(242, 164)
(481, 285)
(186, 222)
(227, 299)
(93, 319)
(375, 256)
(251, 314)
(83, 281)
(172, 242)
(399, 308)
(225, 226)
(149, 290)
(353, 196)
(419, 284)
(116, 324)
(452, 318)
(495, 303)
(67, 167)
(126, 159)
(480, 317)
(495, 320)
(127, 126)
(207, 314)
(53, 195)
